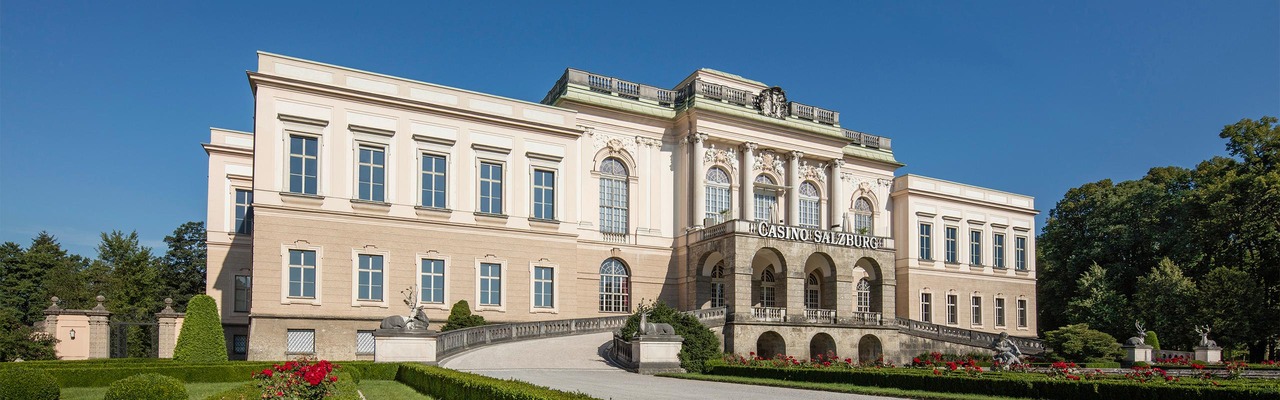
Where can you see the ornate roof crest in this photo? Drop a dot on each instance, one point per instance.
(772, 102)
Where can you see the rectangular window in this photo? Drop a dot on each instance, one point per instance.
(809, 214)
(490, 188)
(999, 311)
(544, 194)
(302, 273)
(766, 205)
(433, 181)
(613, 205)
(975, 247)
(1022, 313)
(432, 281)
(997, 250)
(977, 310)
(240, 344)
(490, 284)
(767, 298)
(243, 285)
(244, 212)
(951, 235)
(1020, 253)
(543, 287)
(372, 172)
(369, 273)
(717, 202)
(303, 164)
(952, 310)
(717, 294)
(301, 341)
(926, 242)
(926, 307)
(364, 343)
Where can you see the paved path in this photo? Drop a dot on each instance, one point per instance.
(574, 363)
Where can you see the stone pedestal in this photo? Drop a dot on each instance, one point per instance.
(396, 345)
(169, 327)
(1209, 354)
(1137, 353)
(655, 354)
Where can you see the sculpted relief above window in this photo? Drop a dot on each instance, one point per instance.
(726, 156)
(767, 160)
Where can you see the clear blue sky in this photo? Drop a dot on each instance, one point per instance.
(103, 105)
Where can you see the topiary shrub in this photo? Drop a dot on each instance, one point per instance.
(147, 387)
(1078, 343)
(460, 317)
(1153, 340)
(700, 344)
(201, 339)
(27, 384)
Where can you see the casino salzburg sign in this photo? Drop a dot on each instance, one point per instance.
(818, 236)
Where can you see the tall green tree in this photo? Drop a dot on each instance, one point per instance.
(1228, 304)
(134, 286)
(183, 266)
(1099, 304)
(13, 275)
(1166, 301)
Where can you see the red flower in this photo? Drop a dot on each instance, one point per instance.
(268, 372)
(333, 379)
(937, 372)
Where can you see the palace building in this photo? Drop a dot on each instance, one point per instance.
(356, 188)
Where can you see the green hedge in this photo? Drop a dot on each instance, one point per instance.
(444, 383)
(99, 373)
(147, 387)
(248, 391)
(23, 383)
(1000, 385)
(201, 339)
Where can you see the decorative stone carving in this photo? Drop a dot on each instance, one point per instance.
(648, 142)
(647, 328)
(416, 320)
(767, 160)
(726, 156)
(772, 102)
(816, 172)
(614, 143)
(1141, 338)
(1204, 337)
(884, 182)
(1007, 353)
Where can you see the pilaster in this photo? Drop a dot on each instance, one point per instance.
(835, 199)
(698, 175)
(793, 181)
(747, 191)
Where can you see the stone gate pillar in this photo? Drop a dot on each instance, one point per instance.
(170, 325)
(99, 330)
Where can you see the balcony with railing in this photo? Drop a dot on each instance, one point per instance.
(819, 316)
(769, 314)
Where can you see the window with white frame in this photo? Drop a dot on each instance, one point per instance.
(976, 308)
(369, 277)
(864, 295)
(999, 311)
(300, 341)
(244, 283)
(491, 188)
(863, 217)
(615, 286)
(812, 291)
(997, 250)
(926, 307)
(766, 199)
(244, 212)
(365, 345)
(302, 273)
(432, 281)
(717, 194)
(613, 196)
(490, 284)
(434, 181)
(810, 213)
(544, 194)
(952, 310)
(371, 182)
(303, 164)
(952, 247)
(1020, 253)
(768, 297)
(717, 285)
(1022, 313)
(926, 242)
(975, 247)
(543, 287)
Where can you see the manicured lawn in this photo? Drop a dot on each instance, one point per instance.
(197, 391)
(374, 390)
(842, 388)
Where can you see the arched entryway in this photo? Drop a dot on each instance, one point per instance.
(770, 344)
(822, 345)
(869, 349)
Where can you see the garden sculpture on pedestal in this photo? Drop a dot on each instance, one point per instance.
(647, 328)
(1141, 338)
(1204, 337)
(1007, 353)
(416, 320)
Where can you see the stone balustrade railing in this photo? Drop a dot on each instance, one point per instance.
(869, 140)
(965, 336)
(769, 314)
(819, 316)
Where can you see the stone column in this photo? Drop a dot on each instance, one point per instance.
(793, 183)
(738, 288)
(835, 199)
(51, 316)
(169, 324)
(697, 175)
(99, 330)
(747, 190)
(795, 278)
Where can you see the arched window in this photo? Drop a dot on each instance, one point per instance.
(864, 295)
(767, 295)
(615, 287)
(810, 214)
(766, 199)
(812, 288)
(717, 194)
(863, 221)
(717, 285)
(613, 196)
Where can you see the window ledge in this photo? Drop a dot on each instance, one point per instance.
(434, 306)
(367, 205)
(494, 308)
(301, 198)
(537, 310)
(490, 215)
(295, 353)
(433, 209)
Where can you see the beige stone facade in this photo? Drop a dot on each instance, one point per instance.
(355, 186)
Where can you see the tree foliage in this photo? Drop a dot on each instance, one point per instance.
(700, 344)
(183, 266)
(1078, 343)
(201, 339)
(20, 341)
(460, 316)
(1099, 304)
